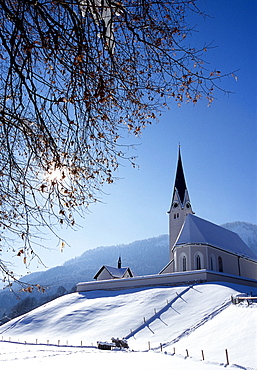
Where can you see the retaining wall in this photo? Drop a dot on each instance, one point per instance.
(172, 279)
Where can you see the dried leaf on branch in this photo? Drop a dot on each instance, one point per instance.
(75, 75)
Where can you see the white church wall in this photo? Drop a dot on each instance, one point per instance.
(207, 257)
(193, 253)
(212, 262)
(248, 268)
(234, 264)
(223, 261)
(175, 224)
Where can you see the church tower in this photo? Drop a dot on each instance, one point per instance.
(180, 205)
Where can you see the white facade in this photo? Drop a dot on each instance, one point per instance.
(195, 257)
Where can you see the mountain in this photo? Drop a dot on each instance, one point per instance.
(144, 257)
(246, 231)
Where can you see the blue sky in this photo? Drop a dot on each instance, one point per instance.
(218, 147)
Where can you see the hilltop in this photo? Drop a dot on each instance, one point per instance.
(144, 257)
(194, 318)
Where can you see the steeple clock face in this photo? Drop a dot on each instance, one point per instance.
(175, 204)
(188, 205)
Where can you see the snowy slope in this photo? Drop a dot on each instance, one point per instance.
(240, 339)
(58, 280)
(196, 318)
(154, 253)
(29, 357)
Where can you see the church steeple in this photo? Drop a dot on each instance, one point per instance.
(180, 205)
(180, 182)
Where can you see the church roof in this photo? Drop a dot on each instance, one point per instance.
(115, 272)
(180, 182)
(196, 230)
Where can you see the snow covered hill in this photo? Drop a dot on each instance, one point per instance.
(194, 318)
(144, 257)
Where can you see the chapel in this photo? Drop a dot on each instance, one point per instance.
(110, 272)
(197, 244)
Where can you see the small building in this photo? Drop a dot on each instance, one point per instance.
(109, 272)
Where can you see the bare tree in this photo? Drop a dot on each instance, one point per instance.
(74, 75)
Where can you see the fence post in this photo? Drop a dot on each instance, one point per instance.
(149, 346)
(161, 346)
(187, 352)
(226, 351)
(202, 355)
(174, 350)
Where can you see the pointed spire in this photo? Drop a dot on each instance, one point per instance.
(180, 182)
(119, 262)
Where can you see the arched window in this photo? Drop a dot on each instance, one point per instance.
(198, 262)
(220, 264)
(184, 263)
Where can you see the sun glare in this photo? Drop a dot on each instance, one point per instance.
(57, 174)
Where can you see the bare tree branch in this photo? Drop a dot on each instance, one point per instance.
(74, 75)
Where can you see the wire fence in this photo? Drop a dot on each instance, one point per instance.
(82, 344)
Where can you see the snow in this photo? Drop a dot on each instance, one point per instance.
(193, 318)
(43, 357)
(114, 271)
(196, 230)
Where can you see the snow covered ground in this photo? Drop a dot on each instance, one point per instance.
(193, 321)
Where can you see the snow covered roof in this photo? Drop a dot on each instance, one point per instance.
(115, 272)
(196, 230)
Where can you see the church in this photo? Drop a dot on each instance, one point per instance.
(197, 244)
(200, 251)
